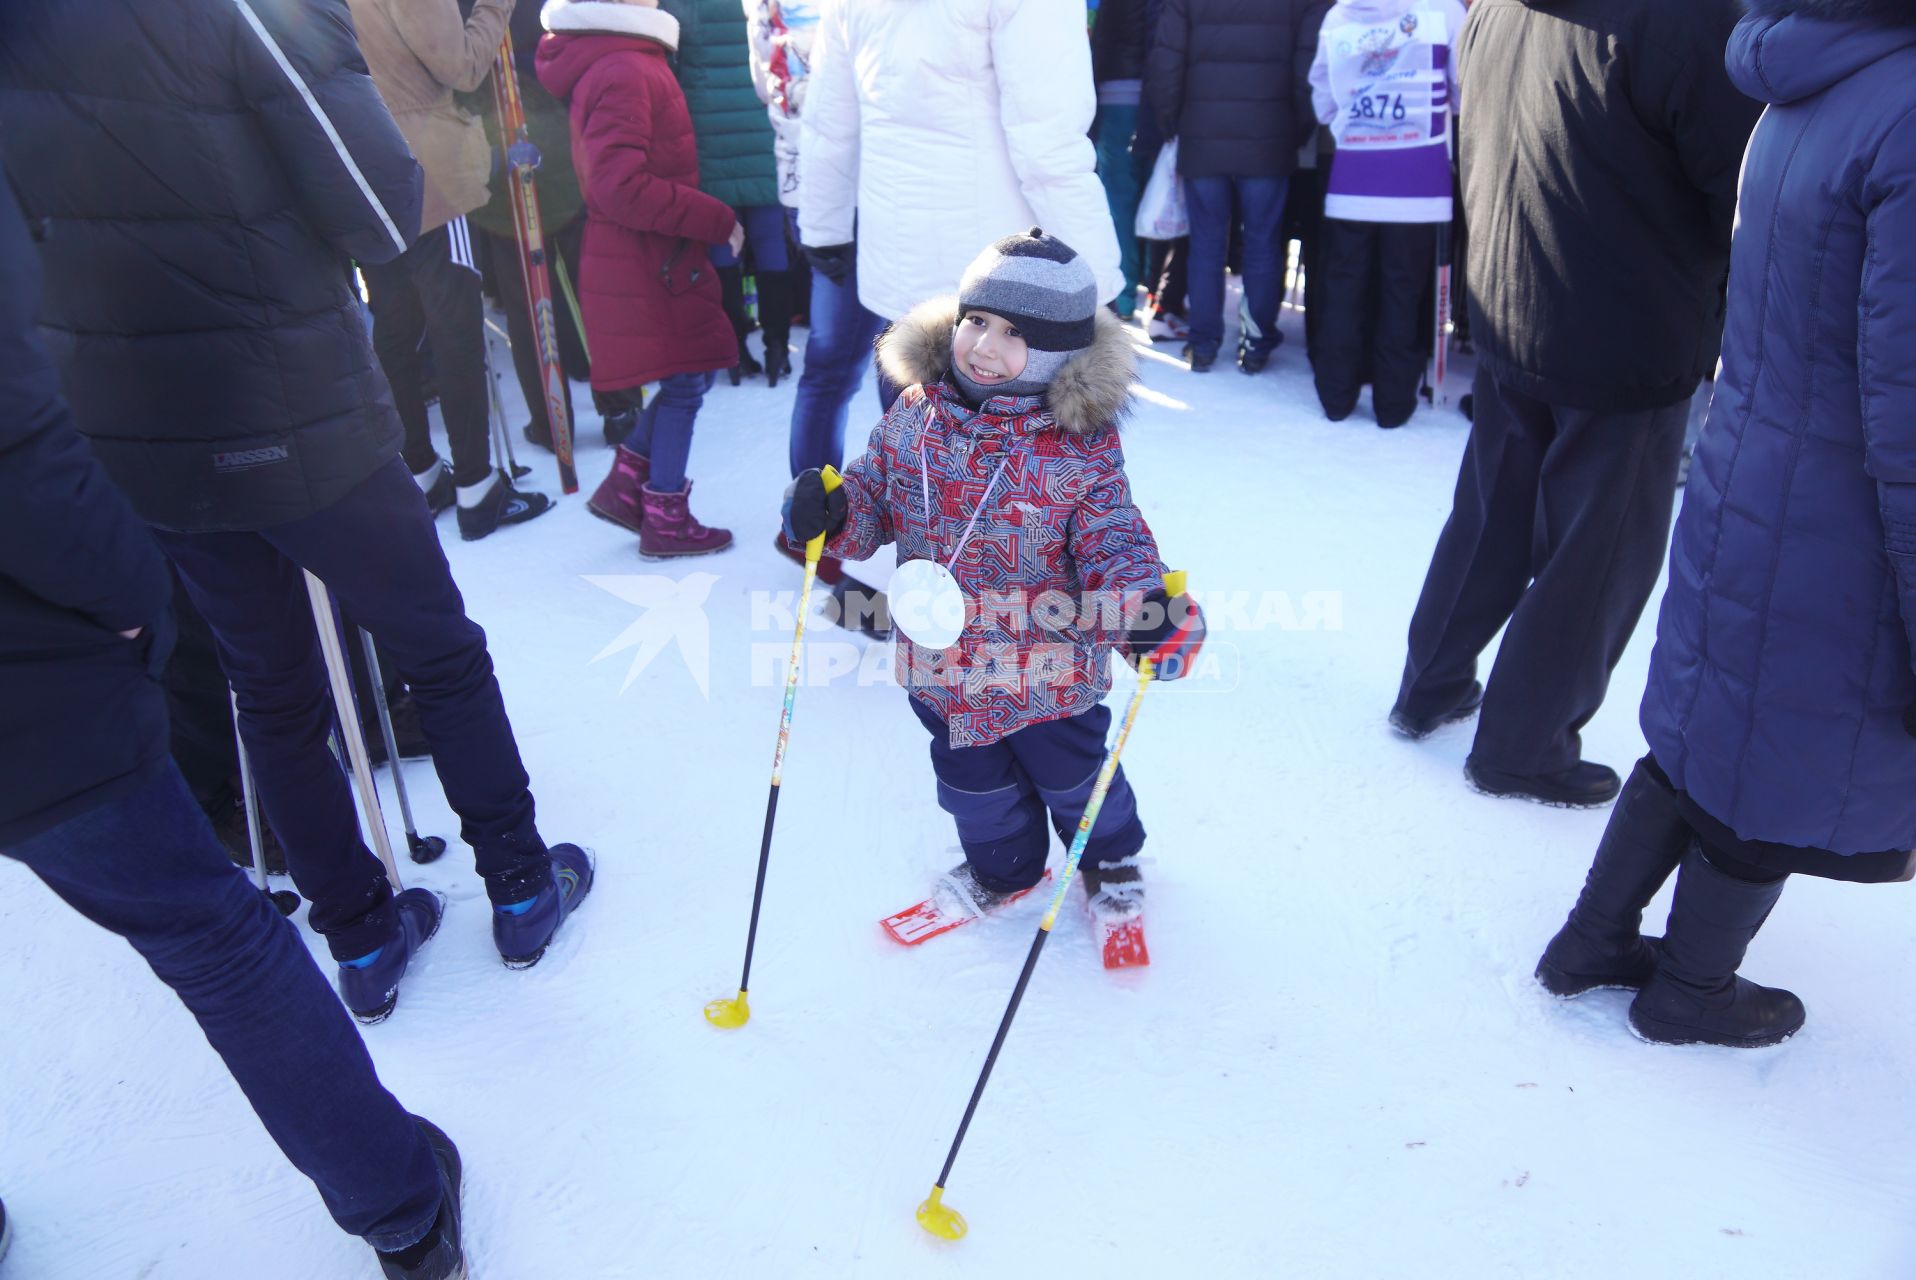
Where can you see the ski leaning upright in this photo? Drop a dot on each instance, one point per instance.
(522, 160)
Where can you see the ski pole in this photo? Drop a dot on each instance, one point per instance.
(735, 1011)
(422, 849)
(285, 901)
(501, 437)
(348, 716)
(934, 1215)
(571, 302)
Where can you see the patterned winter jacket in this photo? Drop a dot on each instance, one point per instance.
(1060, 555)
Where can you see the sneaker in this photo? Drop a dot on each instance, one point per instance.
(1417, 728)
(369, 986)
(523, 930)
(1167, 327)
(1583, 785)
(439, 1254)
(502, 505)
(440, 494)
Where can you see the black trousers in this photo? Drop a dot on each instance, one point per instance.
(1558, 529)
(502, 270)
(1369, 308)
(429, 295)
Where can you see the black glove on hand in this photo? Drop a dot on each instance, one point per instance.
(810, 511)
(833, 261)
(1170, 633)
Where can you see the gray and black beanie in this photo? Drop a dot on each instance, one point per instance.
(1040, 284)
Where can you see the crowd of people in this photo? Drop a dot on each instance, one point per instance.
(195, 392)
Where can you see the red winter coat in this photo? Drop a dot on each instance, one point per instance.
(638, 168)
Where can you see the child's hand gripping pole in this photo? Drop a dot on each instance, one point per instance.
(934, 1215)
(735, 1011)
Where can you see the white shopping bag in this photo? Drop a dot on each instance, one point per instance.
(1162, 214)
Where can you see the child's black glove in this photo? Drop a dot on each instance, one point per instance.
(810, 510)
(1169, 632)
(833, 261)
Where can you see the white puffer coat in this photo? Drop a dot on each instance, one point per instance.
(943, 125)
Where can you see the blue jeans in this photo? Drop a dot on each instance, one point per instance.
(764, 235)
(148, 867)
(664, 432)
(837, 352)
(1261, 205)
(999, 795)
(377, 550)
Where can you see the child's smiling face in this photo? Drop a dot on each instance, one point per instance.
(988, 348)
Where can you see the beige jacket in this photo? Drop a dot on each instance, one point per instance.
(420, 52)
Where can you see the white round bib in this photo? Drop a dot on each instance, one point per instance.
(927, 604)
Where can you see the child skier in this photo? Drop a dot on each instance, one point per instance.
(999, 475)
(1382, 81)
(651, 301)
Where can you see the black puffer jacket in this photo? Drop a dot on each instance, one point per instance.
(205, 169)
(1119, 41)
(1230, 79)
(81, 713)
(1599, 162)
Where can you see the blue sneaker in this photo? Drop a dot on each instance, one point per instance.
(369, 986)
(523, 930)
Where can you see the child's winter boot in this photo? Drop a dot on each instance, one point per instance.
(670, 528)
(617, 497)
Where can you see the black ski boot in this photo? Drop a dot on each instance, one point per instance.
(1600, 944)
(501, 505)
(439, 1254)
(1696, 997)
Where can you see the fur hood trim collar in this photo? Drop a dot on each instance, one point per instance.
(609, 17)
(1091, 392)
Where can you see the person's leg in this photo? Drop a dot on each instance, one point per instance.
(1116, 126)
(1210, 203)
(399, 329)
(1606, 489)
(1000, 819)
(446, 278)
(1262, 203)
(1482, 561)
(254, 598)
(1337, 358)
(771, 267)
(838, 350)
(200, 710)
(147, 868)
(1406, 259)
(1601, 944)
(378, 553)
(1174, 293)
(1062, 758)
(672, 415)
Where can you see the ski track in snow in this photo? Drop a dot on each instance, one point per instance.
(1336, 1065)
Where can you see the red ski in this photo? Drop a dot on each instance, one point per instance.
(1123, 942)
(926, 920)
(521, 162)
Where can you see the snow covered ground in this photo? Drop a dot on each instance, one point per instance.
(1336, 1065)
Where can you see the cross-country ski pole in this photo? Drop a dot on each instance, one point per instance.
(571, 302)
(501, 437)
(347, 710)
(285, 901)
(934, 1215)
(1440, 343)
(734, 1011)
(422, 848)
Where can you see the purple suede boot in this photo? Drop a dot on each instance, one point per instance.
(617, 497)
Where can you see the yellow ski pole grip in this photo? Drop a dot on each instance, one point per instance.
(816, 547)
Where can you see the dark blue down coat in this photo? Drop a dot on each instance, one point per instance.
(1783, 663)
(203, 171)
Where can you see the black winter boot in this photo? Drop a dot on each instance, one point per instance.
(1696, 997)
(775, 322)
(732, 298)
(1600, 944)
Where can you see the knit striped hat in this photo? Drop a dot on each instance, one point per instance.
(1042, 286)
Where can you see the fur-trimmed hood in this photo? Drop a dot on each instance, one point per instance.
(611, 17)
(1880, 13)
(1091, 392)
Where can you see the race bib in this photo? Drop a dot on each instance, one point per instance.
(1390, 79)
